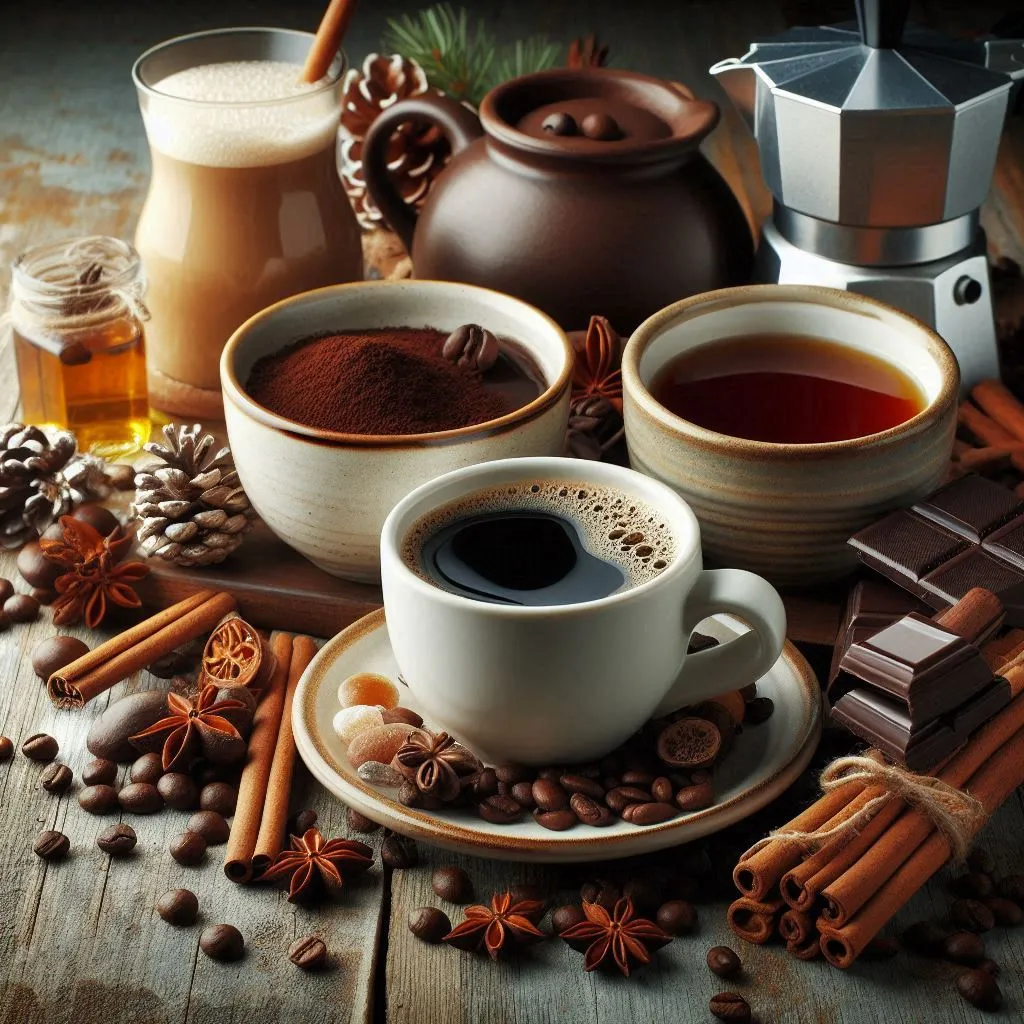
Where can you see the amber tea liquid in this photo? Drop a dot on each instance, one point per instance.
(786, 389)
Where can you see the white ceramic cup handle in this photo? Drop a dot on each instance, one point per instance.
(736, 662)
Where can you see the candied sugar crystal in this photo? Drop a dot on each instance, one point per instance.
(350, 722)
(380, 744)
(368, 688)
(378, 774)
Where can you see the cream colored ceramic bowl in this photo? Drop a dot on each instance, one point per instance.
(327, 494)
(785, 511)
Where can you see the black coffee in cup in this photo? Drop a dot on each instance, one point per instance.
(540, 543)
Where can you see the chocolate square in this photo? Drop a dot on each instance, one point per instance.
(972, 507)
(971, 568)
(905, 547)
(1007, 543)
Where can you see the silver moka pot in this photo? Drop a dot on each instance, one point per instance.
(878, 144)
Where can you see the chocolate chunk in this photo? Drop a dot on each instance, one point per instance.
(972, 507)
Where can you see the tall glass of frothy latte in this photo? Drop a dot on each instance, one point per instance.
(245, 206)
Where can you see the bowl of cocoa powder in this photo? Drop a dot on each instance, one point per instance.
(340, 401)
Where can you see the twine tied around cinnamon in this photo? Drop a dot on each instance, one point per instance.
(956, 815)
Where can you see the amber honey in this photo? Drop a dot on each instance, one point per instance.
(787, 389)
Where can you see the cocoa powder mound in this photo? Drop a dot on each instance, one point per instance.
(391, 380)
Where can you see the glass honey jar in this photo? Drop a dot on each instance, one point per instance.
(77, 315)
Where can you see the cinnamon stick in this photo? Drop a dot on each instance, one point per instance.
(810, 950)
(252, 789)
(329, 35)
(797, 927)
(754, 920)
(980, 460)
(988, 431)
(996, 399)
(759, 872)
(1000, 652)
(76, 684)
(270, 840)
(991, 784)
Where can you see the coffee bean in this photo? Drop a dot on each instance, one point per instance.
(452, 884)
(429, 924)
(548, 795)
(637, 777)
(601, 891)
(1011, 887)
(927, 938)
(520, 891)
(6, 748)
(205, 773)
(602, 128)
(149, 769)
(54, 653)
(140, 798)
(178, 907)
(550, 773)
(974, 885)
(482, 784)
(677, 917)
(56, 778)
(645, 894)
(188, 848)
(222, 942)
(522, 793)
(118, 840)
(120, 476)
(729, 1006)
(40, 747)
(21, 608)
(51, 845)
(399, 852)
(759, 710)
(6, 589)
(980, 860)
(99, 799)
(972, 916)
(565, 917)
(402, 716)
(35, 568)
(301, 822)
(178, 790)
(880, 948)
(211, 826)
(748, 692)
(964, 948)
(219, 797)
(499, 810)
(44, 596)
(695, 798)
(980, 989)
(560, 123)
(723, 961)
(102, 520)
(408, 794)
(308, 953)
(662, 790)
(360, 822)
(621, 797)
(99, 772)
(575, 783)
(649, 814)
(1005, 913)
(511, 773)
(556, 821)
(589, 811)
(989, 965)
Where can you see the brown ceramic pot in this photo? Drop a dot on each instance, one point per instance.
(572, 224)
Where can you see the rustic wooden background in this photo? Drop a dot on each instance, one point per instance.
(79, 940)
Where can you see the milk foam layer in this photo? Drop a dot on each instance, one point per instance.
(246, 131)
(612, 525)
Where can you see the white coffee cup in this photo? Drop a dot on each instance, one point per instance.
(568, 683)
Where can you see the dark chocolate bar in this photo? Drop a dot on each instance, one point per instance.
(968, 534)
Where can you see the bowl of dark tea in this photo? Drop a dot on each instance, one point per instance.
(789, 416)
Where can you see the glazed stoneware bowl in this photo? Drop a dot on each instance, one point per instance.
(785, 511)
(327, 494)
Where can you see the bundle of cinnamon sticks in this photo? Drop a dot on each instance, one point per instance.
(991, 435)
(833, 899)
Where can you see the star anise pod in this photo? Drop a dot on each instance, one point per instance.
(203, 727)
(434, 764)
(619, 937)
(313, 863)
(490, 927)
(597, 371)
(96, 577)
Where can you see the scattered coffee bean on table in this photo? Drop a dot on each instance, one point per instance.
(308, 952)
(40, 747)
(302, 822)
(359, 822)
(729, 1006)
(118, 840)
(399, 852)
(723, 961)
(6, 748)
(101, 799)
(927, 938)
(178, 791)
(964, 948)
(972, 916)
(99, 772)
(6, 589)
(222, 942)
(601, 891)
(51, 845)
(565, 917)
(54, 653)
(979, 859)
(980, 989)
(140, 798)
(21, 608)
(677, 917)
(988, 965)
(56, 778)
(211, 826)
(973, 885)
(148, 768)
(188, 848)
(178, 907)
(429, 924)
(452, 884)
(219, 797)
(1005, 913)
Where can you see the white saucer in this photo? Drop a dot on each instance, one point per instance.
(764, 761)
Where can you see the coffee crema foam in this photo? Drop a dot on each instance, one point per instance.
(613, 525)
(248, 131)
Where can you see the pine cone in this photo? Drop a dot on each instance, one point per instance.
(41, 480)
(417, 152)
(191, 506)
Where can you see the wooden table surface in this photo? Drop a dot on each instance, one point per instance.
(79, 940)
